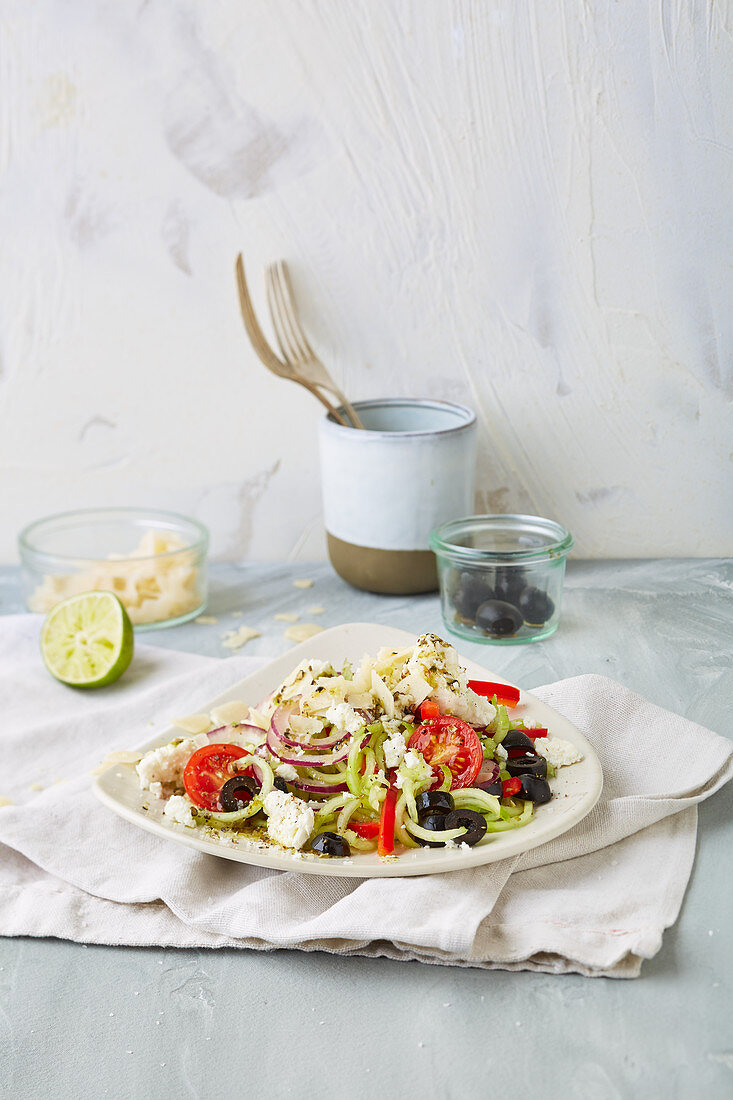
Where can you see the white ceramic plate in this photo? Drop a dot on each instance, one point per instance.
(575, 790)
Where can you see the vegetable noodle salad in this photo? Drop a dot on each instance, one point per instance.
(400, 752)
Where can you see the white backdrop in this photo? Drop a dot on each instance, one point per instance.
(522, 207)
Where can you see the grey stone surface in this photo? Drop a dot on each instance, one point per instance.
(90, 1022)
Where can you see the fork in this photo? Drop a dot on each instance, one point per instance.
(265, 352)
(293, 343)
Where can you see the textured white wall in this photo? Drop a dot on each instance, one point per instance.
(523, 207)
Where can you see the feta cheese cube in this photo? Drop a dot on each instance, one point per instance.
(161, 770)
(557, 752)
(290, 820)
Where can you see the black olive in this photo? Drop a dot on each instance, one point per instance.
(435, 822)
(474, 822)
(534, 789)
(530, 763)
(331, 844)
(498, 618)
(435, 802)
(536, 606)
(469, 592)
(515, 739)
(280, 784)
(237, 792)
(509, 583)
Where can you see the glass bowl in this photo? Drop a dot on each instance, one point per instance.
(501, 577)
(154, 561)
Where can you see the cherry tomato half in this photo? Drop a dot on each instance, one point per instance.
(208, 770)
(452, 743)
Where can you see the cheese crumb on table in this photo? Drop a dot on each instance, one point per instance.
(206, 620)
(39, 786)
(286, 617)
(235, 639)
(122, 757)
(6, 801)
(316, 610)
(303, 582)
(302, 632)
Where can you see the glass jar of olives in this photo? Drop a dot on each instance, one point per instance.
(501, 577)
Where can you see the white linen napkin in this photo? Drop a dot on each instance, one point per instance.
(594, 901)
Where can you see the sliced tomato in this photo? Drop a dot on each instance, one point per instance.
(510, 787)
(208, 770)
(450, 742)
(367, 829)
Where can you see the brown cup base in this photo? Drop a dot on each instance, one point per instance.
(389, 572)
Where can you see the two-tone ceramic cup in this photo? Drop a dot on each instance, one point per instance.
(387, 487)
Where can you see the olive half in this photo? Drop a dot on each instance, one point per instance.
(433, 802)
(435, 823)
(534, 789)
(237, 792)
(515, 739)
(530, 763)
(331, 844)
(473, 822)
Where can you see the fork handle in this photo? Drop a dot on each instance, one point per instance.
(324, 401)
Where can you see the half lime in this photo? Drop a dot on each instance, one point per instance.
(87, 640)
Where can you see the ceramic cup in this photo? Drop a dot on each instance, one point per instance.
(386, 488)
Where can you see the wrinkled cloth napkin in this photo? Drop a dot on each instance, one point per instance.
(594, 901)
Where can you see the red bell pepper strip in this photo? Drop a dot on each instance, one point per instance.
(510, 787)
(367, 829)
(536, 733)
(385, 844)
(505, 693)
(428, 710)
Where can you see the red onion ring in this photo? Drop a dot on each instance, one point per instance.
(320, 788)
(229, 734)
(279, 724)
(287, 755)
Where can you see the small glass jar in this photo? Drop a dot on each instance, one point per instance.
(154, 561)
(501, 577)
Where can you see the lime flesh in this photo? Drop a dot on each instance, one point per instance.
(87, 640)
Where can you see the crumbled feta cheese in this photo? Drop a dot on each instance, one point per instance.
(394, 749)
(344, 718)
(286, 617)
(501, 752)
(286, 772)
(161, 770)
(178, 809)
(304, 582)
(382, 694)
(290, 820)
(465, 704)
(413, 767)
(557, 752)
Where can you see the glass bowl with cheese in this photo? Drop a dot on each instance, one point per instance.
(154, 561)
